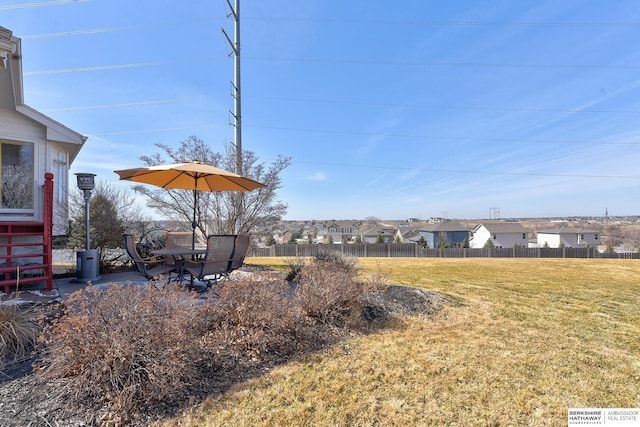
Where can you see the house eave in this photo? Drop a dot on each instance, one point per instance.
(56, 131)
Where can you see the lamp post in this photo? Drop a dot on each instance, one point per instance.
(88, 264)
(86, 184)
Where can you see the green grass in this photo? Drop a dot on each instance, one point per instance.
(525, 340)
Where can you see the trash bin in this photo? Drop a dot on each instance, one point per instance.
(88, 265)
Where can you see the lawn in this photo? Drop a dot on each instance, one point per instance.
(522, 341)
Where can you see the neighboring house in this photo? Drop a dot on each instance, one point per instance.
(452, 232)
(35, 155)
(387, 235)
(407, 235)
(502, 235)
(338, 232)
(569, 237)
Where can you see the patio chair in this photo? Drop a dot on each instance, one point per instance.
(149, 267)
(217, 260)
(243, 241)
(178, 239)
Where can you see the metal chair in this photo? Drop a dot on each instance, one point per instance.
(217, 260)
(178, 239)
(150, 267)
(243, 241)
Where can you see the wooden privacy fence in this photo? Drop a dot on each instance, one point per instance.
(410, 250)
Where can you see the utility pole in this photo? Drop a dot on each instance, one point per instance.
(606, 223)
(237, 107)
(494, 213)
(237, 103)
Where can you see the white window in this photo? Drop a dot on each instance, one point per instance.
(16, 174)
(61, 177)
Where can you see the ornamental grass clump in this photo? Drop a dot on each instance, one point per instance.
(124, 348)
(19, 331)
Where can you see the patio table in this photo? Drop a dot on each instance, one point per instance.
(179, 255)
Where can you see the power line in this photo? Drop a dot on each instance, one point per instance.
(461, 138)
(40, 3)
(97, 68)
(455, 171)
(448, 107)
(369, 103)
(76, 33)
(444, 64)
(453, 138)
(93, 107)
(131, 132)
(350, 21)
(345, 61)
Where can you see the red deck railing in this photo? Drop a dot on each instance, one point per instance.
(25, 241)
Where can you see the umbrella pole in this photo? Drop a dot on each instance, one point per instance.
(193, 223)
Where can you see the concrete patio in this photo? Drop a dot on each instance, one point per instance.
(63, 287)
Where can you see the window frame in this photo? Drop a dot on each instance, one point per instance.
(9, 214)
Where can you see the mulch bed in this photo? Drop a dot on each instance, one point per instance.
(28, 400)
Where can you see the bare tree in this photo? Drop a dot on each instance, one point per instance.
(224, 212)
(113, 211)
(17, 187)
(632, 239)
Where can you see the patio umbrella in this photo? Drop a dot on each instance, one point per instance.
(194, 176)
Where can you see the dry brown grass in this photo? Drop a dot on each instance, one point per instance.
(528, 339)
(19, 331)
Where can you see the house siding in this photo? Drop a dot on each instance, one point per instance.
(16, 127)
(571, 239)
(54, 145)
(504, 236)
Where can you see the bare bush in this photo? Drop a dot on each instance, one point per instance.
(124, 347)
(254, 319)
(350, 264)
(329, 294)
(294, 267)
(378, 280)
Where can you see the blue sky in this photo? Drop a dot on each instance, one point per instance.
(394, 110)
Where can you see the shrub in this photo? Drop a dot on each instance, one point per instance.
(378, 280)
(338, 260)
(124, 347)
(294, 267)
(254, 319)
(329, 294)
(19, 331)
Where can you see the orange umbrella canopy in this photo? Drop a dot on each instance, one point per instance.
(190, 176)
(194, 176)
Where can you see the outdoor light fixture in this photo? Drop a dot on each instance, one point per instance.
(86, 184)
(88, 260)
(85, 181)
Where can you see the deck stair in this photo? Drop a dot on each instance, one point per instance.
(26, 247)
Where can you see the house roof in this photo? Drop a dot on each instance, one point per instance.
(444, 227)
(567, 230)
(379, 232)
(12, 98)
(503, 227)
(408, 234)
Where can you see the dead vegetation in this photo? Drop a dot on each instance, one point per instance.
(128, 355)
